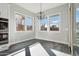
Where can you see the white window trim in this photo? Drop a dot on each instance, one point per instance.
(25, 17)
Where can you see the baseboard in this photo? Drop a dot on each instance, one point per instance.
(36, 38)
(20, 41)
(52, 41)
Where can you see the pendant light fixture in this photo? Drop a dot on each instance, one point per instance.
(41, 13)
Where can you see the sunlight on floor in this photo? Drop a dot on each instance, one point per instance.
(37, 50)
(58, 53)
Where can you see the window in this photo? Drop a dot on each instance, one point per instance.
(77, 19)
(23, 23)
(77, 15)
(28, 23)
(54, 22)
(43, 24)
(20, 22)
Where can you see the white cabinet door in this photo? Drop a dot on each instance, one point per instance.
(4, 10)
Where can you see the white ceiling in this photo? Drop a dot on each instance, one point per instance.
(35, 7)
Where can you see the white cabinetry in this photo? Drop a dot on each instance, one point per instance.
(4, 10)
(4, 13)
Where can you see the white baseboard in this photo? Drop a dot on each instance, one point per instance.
(20, 41)
(52, 40)
(36, 38)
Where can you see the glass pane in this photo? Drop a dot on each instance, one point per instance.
(55, 19)
(77, 15)
(28, 23)
(20, 22)
(54, 23)
(44, 24)
(76, 41)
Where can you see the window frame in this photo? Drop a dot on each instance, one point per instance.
(40, 25)
(32, 24)
(54, 14)
(24, 22)
(75, 20)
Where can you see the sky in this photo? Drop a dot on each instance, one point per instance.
(77, 15)
(28, 21)
(44, 21)
(53, 20)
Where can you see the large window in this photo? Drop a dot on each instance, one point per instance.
(20, 22)
(43, 24)
(23, 23)
(77, 15)
(77, 19)
(54, 22)
(28, 23)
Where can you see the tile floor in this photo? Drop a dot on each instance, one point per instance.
(47, 45)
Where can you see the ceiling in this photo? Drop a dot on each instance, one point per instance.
(35, 7)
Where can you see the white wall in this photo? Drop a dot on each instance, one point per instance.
(15, 37)
(62, 36)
